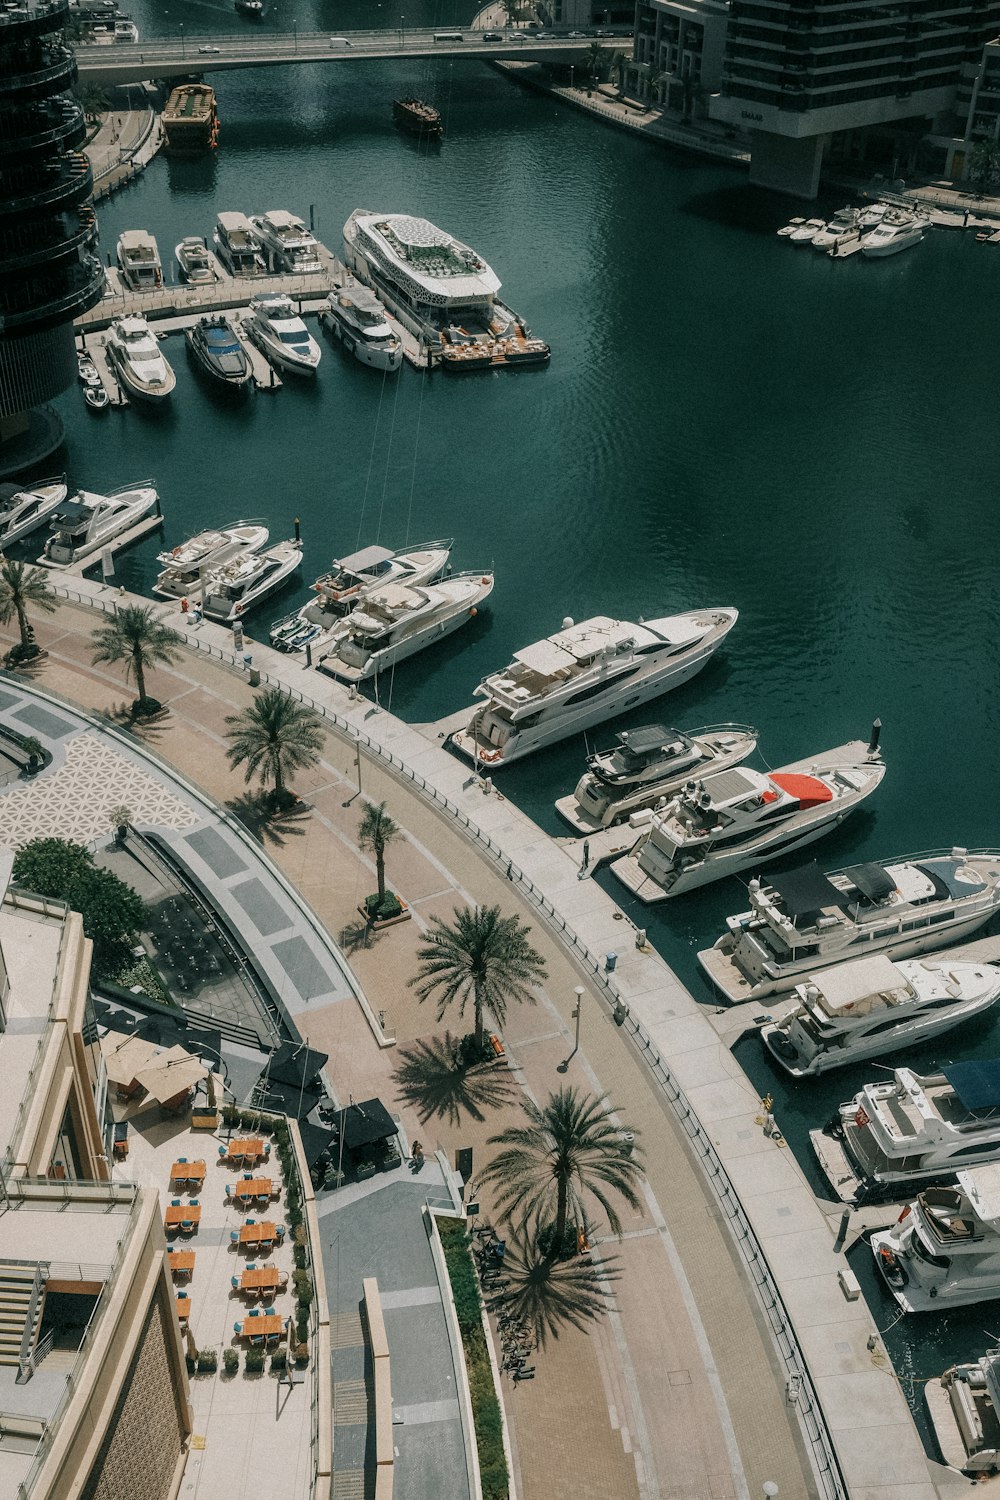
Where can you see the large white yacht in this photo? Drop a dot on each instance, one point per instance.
(396, 620)
(87, 522)
(907, 1129)
(135, 357)
(237, 245)
(843, 226)
(351, 579)
(246, 580)
(871, 1006)
(139, 261)
(354, 315)
(739, 818)
(286, 243)
(804, 919)
(196, 261)
(277, 330)
(648, 765)
(944, 1249)
(581, 675)
(964, 1408)
(897, 230)
(186, 567)
(23, 511)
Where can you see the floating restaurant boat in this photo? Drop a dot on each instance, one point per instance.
(238, 246)
(139, 261)
(195, 260)
(396, 620)
(440, 289)
(245, 581)
(135, 356)
(944, 1249)
(191, 119)
(354, 315)
(417, 117)
(288, 246)
(278, 331)
(215, 346)
(186, 567)
(87, 522)
(964, 1409)
(24, 510)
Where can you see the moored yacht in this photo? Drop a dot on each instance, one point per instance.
(195, 260)
(246, 580)
(87, 522)
(214, 344)
(237, 245)
(873, 214)
(135, 357)
(844, 225)
(396, 620)
(581, 675)
(649, 764)
(871, 1006)
(139, 261)
(944, 1249)
(279, 332)
(804, 919)
(23, 511)
(897, 230)
(185, 567)
(964, 1408)
(356, 317)
(806, 232)
(287, 245)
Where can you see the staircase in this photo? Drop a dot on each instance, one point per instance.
(16, 1300)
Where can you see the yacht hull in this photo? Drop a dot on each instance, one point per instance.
(364, 353)
(435, 631)
(914, 1298)
(227, 610)
(280, 356)
(138, 388)
(37, 517)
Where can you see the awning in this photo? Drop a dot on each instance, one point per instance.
(958, 878)
(291, 1098)
(71, 510)
(294, 1061)
(315, 1140)
(871, 880)
(363, 1124)
(125, 1056)
(545, 658)
(851, 984)
(807, 890)
(171, 1073)
(977, 1084)
(365, 560)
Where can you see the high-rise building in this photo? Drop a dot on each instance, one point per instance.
(48, 270)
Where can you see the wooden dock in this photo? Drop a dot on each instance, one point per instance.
(849, 244)
(94, 346)
(265, 376)
(117, 544)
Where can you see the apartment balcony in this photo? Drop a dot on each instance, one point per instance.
(19, 21)
(63, 184)
(59, 126)
(46, 243)
(36, 72)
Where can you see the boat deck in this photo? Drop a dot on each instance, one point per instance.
(94, 347)
(114, 546)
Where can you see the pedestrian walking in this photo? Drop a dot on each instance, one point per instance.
(586, 855)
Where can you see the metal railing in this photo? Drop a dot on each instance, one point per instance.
(25, 1369)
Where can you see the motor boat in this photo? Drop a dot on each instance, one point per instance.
(964, 1409)
(195, 260)
(735, 819)
(871, 1006)
(649, 765)
(87, 371)
(252, 8)
(286, 243)
(804, 919)
(791, 227)
(139, 261)
(909, 1129)
(237, 246)
(126, 30)
(135, 357)
(872, 215)
(96, 397)
(356, 317)
(279, 332)
(944, 1249)
(185, 568)
(418, 117)
(843, 226)
(23, 511)
(897, 230)
(87, 522)
(350, 580)
(245, 581)
(581, 675)
(806, 232)
(218, 351)
(396, 620)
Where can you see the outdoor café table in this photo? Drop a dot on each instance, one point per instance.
(188, 1171)
(174, 1217)
(257, 1187)
(184, 1308)
(181, 1262)
(257, 1234)
(263, 1280)
(249, 1148)
(263, 1327)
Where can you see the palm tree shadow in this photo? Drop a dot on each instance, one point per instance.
(30, 668)
(356, 935)
(433, 1077)
(269, 822)
(549, 1293)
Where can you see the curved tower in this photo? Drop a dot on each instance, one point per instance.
(49, 272)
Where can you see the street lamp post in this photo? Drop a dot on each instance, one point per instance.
(183, 52)
(579, 992)
(295, 32)
(402, 29)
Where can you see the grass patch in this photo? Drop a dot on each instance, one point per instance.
(485, 1403)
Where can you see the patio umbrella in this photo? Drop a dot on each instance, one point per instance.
(172, 1073)
(363, 1124)
(125, 1056)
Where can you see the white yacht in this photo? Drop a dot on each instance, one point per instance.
(964, 1409)
(944, 1249)
(278, 331)
(126, 30)
(871, 1006)
(739, 818)
(88, 522)
(139, 261)
(286, 243)
(23, 511)
(245, 581)
(216, 346)
(195, 260)
(806, 232)
(185, 568)
(356, 317)
(908, 1129)
(237, 246)
(396, 620)
(844, 225)
(649, 765)
(351, 579)
(581, 675)
(135, 357)
(897, 230)
(872, 215)
(804, 919)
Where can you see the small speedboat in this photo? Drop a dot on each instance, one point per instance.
(397, 620)
(86, 523)
(239, 585)
(791, 226)
(186, 567)
(964, 1408)
(87, 370)
(279, 332)
(96, 398)
(215, 346)
(872, 215)
(350, 580)
(195, 260)
(252, 8)
(23, 511)
(135, 356)
(806, 232)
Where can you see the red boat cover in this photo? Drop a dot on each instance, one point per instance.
(808, 791)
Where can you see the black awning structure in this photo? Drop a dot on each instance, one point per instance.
(806, 890)
(71, 510)
(977, 1084)
(871, 880)
(365, 1123)
(294, 1061)
(290, 1098)
(316, 1140)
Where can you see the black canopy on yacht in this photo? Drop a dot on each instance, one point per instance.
(977, 1084)
(871, 880)
(807, 890)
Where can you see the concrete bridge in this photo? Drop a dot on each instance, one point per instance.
(180, 56)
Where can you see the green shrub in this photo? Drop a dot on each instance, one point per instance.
(230, 1114)
(299, 1255)
(485, 1404)
(301, 1326)
(301, 1280)
(208, 1361)
(305, 1298)
(279, 1360)
(254, 1362)
(112, 912)
(231, 1360)
(379, 911)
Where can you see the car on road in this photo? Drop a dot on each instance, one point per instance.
(542, 36)
(494, 36)
(604, 33)
(210, 50)
(576, 33)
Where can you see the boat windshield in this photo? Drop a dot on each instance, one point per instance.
(293, 336)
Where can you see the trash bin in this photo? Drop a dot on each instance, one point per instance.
(628, 1141)
(610, 960)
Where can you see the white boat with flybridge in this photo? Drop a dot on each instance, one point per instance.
(944, 1249)
(288, 247)
(349, 580)
(396, 620)
(276, 328)
(135, 358)
(355, 316)
(185, 568)
(87, 522)
(246, 580)
(897, 230)
(803, 919)
(963, 1405)
(196, 261)
(844, 225)
(139, 261)
(24, 510)
(870, 1006)
(581, 675)
(902, 1131)
(872, 215)
(647, 765)
(737, 819)
(237, 245)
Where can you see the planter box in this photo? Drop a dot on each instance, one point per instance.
(203, 1120)
(375, 923)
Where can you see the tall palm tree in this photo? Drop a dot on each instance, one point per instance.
(570, 1147)
(376, 830)
(274, 737)
(547, 1293)
(595, 60)
(136, 637)
(19, 587)
(480, 956)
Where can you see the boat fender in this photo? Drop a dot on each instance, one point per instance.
(484, 579)
(473, 612)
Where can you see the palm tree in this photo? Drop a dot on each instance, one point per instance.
(572, 1146)
(546, 1293)
(375, 831)
(595, 60)
(274, 737)
(480, 956)
(19, 587)
(136, 637)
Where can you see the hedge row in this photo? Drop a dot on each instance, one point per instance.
(485, 1405)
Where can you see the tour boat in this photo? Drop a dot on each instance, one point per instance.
(896, 231)
(964, 1409)
(288, 246)
(135, 357)
(804, 919)
(871, 1006)
(356, 317)
(190, 119)
(195, 260)
(648, 765)
(417, 117)
(944, 1249)
(279, 332)
(396, 620)
(215, 346)
(237, 246)
(806, 232)
(186, 567)
(581, 675)
(731, 820)
(246, 580)
(23, 511)
(844, 225)
(88, 522)
(908, 1129)
(139, 261)
(350, 580)
(252, 8)
(126, 30)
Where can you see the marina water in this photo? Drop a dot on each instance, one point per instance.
(726, 420)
